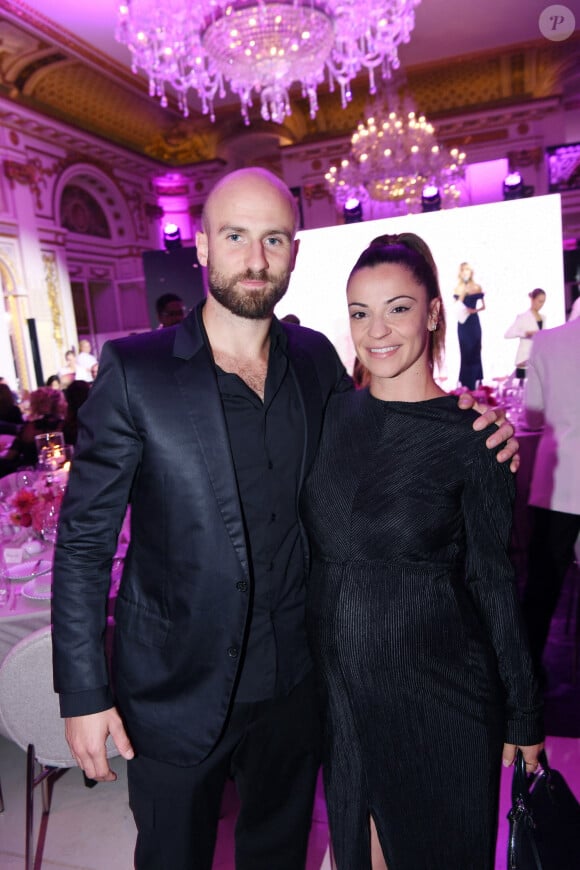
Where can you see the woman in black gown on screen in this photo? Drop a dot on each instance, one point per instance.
(470, 300)
(412, 612)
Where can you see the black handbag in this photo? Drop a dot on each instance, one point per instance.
(544, 820)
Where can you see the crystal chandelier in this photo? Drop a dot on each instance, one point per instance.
(262, 47)
(393, 160)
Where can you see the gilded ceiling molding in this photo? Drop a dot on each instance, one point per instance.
(178, 145)
(80, 149)
(87, 92)
(20, 11)
(530, 72)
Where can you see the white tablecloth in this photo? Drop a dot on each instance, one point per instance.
(20, 616)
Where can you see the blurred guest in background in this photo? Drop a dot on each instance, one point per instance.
(75, 395)
(525, 326)
(170, 309)
(10, 423)
(470, 300)
(47, 410)
(68, 373)
(54, 382)
(552, 400)
(575, 310)
(9, 410)
(86, 361)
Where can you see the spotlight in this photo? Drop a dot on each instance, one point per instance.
(514, 187)
(352, 211)
(430, 198)
(171, 237)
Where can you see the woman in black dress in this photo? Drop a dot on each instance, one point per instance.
(470, 299)
(412, 610)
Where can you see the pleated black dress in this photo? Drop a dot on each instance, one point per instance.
(415, 630)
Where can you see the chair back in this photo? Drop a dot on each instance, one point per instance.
(29, 708)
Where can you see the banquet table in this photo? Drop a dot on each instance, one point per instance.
(28, 606)
(29, 502)
(22, 615)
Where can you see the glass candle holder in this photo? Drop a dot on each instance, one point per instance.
(50, 447)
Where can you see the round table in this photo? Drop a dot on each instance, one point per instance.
(20, 616)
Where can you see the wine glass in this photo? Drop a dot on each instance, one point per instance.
(25, 478)
(49, 523)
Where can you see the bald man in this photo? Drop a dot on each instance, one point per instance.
(209, 431)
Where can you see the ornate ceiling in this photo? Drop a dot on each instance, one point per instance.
(51, 70)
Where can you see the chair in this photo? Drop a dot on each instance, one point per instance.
(30, 717)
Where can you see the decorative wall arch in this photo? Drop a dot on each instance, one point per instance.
(105, 191)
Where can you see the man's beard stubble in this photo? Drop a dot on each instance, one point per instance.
(256, 305)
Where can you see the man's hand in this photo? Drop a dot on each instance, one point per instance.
(504, 431)
(86, 736)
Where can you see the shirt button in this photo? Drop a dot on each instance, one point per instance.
(233, 652)
(242, 586)
(272, 518)
(270, 465)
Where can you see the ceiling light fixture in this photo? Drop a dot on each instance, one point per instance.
(392, 160)
(262, 48)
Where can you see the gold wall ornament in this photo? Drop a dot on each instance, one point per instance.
(525, 157)
(30, 174)
(53, 291)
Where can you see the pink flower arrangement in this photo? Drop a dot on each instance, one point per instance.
(30, 506)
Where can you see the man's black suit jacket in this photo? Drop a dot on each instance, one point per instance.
(153, 433)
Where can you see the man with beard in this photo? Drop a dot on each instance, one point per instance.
(208, 430)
